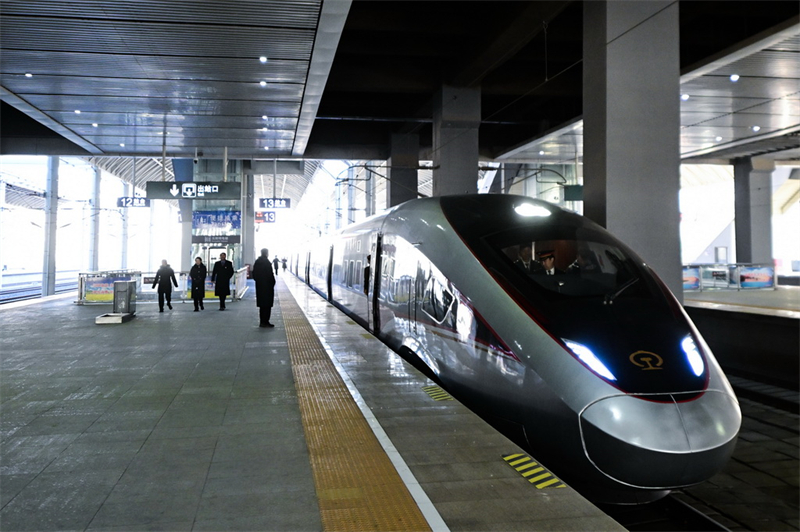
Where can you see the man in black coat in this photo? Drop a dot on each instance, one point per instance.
(264, 277)
(525, 260)
(221, 277)
(165, 278)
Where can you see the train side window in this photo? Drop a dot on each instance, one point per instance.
(436, 300)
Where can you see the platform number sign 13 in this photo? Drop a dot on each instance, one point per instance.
(265, 217)
(275, 203)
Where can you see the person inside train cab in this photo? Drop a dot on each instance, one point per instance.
(584, 262)
(548, 261)
(525, 260)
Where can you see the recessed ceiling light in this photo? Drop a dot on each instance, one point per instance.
(122, 144)
(756, 128)
(94, 124)
(264, 117)
(734, 77)
(262, 83)
(77, 111)
(264, 129)
(684, 97)
(541, 152)
(28, 75)
(263, 59)
(266, 147)
(718, 138)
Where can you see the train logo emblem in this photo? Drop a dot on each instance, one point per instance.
(647, 360)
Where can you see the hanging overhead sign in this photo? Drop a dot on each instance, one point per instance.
(193, 190)
(216, 239)
(133, 202)
(275, 203)
(216, 219)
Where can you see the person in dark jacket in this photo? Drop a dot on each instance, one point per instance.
(221, 277)
(198, 275)
(525, 260)
(165, 278)
(264, 277)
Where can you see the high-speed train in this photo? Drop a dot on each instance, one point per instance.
(595, 369)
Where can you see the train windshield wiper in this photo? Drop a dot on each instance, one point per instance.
(612, 295)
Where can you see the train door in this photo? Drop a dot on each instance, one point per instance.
(413, 299)
(329, 277)
(374, 289)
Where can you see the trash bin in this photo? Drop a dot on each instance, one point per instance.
(124, 297)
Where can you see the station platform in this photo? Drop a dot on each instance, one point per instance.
(189, 420)
(754, 334)
(783, 302)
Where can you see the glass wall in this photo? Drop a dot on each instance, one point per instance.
(129, 238)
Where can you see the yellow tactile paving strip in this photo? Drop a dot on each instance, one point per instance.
(357, 486)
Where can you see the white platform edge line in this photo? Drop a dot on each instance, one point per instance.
(36, 300)
(425, 505)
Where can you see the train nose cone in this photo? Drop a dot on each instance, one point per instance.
(657, 441)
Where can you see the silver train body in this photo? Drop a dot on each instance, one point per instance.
(597, 370)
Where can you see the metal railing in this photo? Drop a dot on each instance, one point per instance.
(699, 277)
(98, 287)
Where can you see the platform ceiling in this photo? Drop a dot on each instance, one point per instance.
(176, 77)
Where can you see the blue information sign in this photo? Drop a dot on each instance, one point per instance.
(216, 219)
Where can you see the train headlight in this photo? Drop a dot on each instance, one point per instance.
(693, 355)
(529, 209)
(587, 357)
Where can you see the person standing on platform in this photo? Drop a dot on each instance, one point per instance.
(275, 263)
(221, 277)
(265, 287)
(165, 278)
(283, 263)
(198, 275)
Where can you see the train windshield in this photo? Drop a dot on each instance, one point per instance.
(565, 262)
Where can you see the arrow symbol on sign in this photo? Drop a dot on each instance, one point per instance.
(174, 190)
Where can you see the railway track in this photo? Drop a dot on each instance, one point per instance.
(664, 514)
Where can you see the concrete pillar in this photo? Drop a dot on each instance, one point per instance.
(752, 182)
(184, 171)
(94, 222)
(369, 187)
(248, 217)
(152, 261)
(50, 228)
(338, 214)
(351, 195)
(126, 191)
(403, 164)
(456, 119)
(2, 222)
(631, 114)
